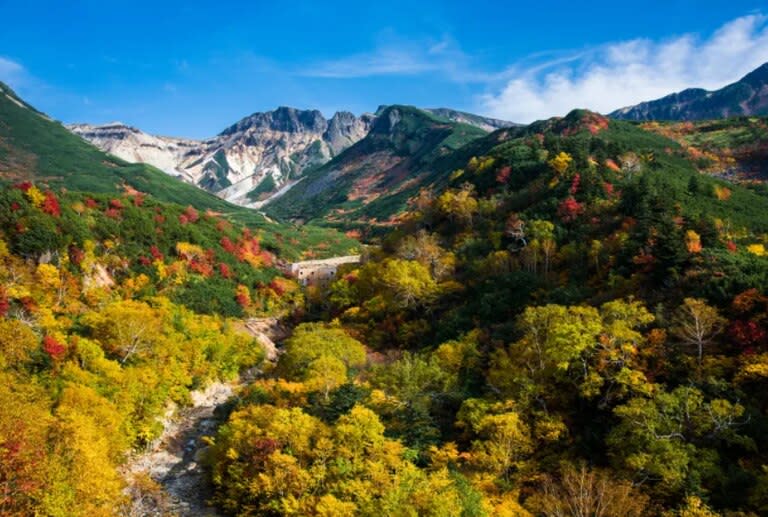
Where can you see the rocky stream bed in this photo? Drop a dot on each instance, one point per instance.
(168, 478)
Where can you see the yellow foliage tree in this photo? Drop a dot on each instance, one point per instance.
(35, 196)
(504, 444)
(692, 242)
(560, 162)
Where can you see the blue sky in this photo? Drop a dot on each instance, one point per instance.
(192, 68)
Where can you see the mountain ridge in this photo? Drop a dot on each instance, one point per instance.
(375, 176)
(747, 96)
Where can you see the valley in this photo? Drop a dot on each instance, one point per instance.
(411, 312)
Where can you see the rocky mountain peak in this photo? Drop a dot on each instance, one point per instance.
(115, 129)
(283, 119)
(344, 129)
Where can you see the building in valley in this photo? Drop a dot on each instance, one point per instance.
(319, 272)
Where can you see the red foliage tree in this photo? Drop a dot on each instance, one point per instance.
(51, 205)
(569, 209)
(5, 303)
(608, 189)
(748, 334)
(191, 213)
(28, 303)
(53, 348)
(227, 244)
(277, 287)
(502, 176)
(155, 252)
(76, 255)
(201, 267)
(575, 183)
(224, 270)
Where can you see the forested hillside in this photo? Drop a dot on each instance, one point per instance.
(578, 321)
(530, 302)
(110, 308)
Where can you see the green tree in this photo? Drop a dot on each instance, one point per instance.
(553, 337)
(312, 341)
(662, 437)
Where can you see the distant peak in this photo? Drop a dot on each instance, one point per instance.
(116, 125)
(758, 76)
(747, 96)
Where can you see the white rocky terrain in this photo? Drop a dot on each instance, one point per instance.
(247, 162)
(133, 145)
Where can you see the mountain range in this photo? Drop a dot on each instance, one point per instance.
(257, 158)
(747, 96)
(362, 170)
(253, 157)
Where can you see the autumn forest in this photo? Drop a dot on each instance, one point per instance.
(567, 318)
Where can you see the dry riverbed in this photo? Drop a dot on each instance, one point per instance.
(168, 478)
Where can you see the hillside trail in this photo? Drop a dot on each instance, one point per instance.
(168, 478)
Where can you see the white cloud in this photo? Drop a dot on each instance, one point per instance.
(628, 72)
(380, 62)
(11, 72)
(395, 56)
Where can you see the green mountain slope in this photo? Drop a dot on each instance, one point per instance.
(735, 148)
(607, 150)
(35, 148)
(580, 290)
(372, 180)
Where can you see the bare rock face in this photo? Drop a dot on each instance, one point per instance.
(248, 162)
(345, 129)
